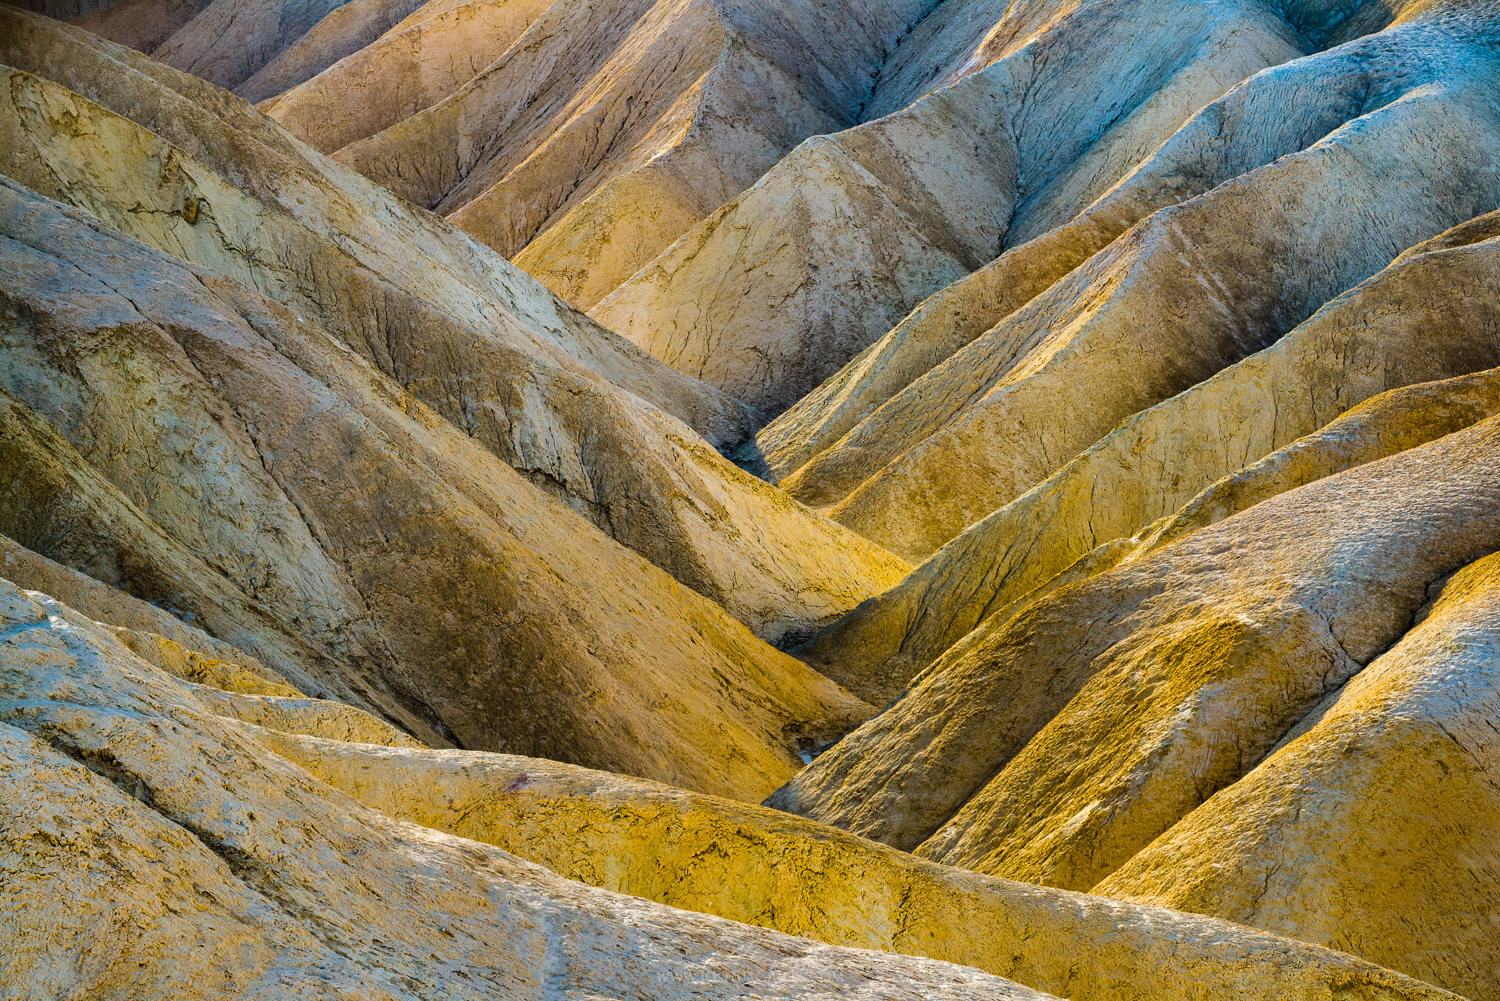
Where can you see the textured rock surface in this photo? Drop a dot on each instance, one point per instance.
(416, 64)
(782, 286)
(610, 128)
(151, 848)
(1059, 373)
(502, 361)
(1059, 743)
(1433, 314)
(320, 508)
(141, 24)
(767, 868)
(345, 30)
(1385, 786)
(1165, 336)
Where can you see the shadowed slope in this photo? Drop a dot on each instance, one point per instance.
(484, 345)
(319, 501)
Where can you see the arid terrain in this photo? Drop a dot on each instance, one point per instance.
(656, 499)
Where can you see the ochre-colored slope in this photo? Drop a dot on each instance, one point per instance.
(768, 868)
(273, 474)
(1187, 291)
(1373, 825)
(157, 849)
(1060, 742)
(1433, 314)
(493, 352)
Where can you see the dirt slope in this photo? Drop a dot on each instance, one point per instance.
(607, 129)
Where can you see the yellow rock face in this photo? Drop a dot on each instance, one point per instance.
(1372, 826)
(375, 623)
(1055, 744)
(395, 513)
(1428, 316)
(514, 367)
(767, 868)
(153, 848)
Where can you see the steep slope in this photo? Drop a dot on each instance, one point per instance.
(609, 128)
(230, 40)
(416, 64)
(1433, 314)
(785, 284)
(1385, 789)
(152, 848)
(345, 30)
(141, 24)
(1193, 287)
(767, 868)
(1056, 745)
(501, 358)
(241, 463)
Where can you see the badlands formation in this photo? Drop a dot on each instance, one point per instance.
(867, 499)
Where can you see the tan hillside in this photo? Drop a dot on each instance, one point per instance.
(1337, 799)
(785, 284)
(417, 63)
(587, 500)
(1432, 314)
(1233, 291)
(521, 375)
(608, 129)
(82, 688)
(771, 869)
(321, 506)
(137, 813)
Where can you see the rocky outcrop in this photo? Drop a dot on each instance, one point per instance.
(151, 847)
(1431, 315)
(505, 361)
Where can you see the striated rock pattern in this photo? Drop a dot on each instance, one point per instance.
(1385, 783)
(767, 868)
(782, 286)
(1434, 313)
(152, 848)
(520, 372)
(319, 506)
(608, 129)
(1109, 390)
